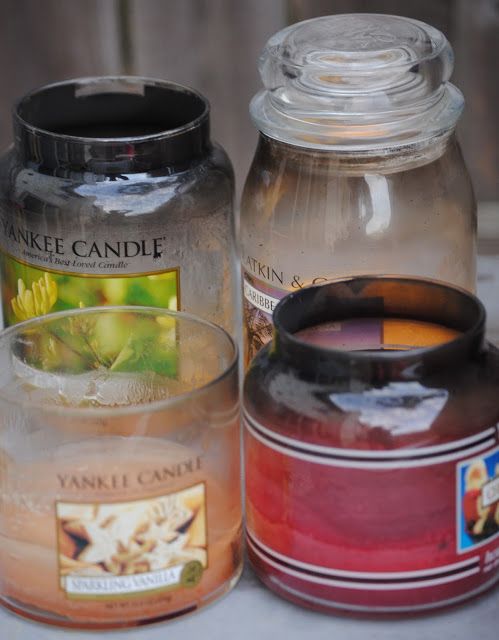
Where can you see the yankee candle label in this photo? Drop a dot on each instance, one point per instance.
(124, 548)
(74, 253)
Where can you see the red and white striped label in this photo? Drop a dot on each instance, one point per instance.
(398, 529)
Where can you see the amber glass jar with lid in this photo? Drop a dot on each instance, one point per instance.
(357, 168)
(372, 448)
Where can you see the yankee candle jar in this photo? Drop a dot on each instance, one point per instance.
(357, 169)
(120, 495)
(114, 194)
(372, 448)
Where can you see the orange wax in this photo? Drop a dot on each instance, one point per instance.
(126, 510)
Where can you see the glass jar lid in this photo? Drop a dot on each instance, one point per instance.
(357, 82)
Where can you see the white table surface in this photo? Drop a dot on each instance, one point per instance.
(252, 612)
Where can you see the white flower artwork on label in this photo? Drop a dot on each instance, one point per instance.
(132, 547)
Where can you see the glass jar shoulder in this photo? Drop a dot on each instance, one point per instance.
(345, 412)
(206, 184)
(285, 181)
(317, 215)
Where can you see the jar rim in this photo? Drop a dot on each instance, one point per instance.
(94, 85)
(374, 296)
(229, 369)
(111, 124)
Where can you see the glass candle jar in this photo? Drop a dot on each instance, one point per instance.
(357, 168)
(119, 467)
(372, 448)
(113, 193)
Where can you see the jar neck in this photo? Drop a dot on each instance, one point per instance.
(111, 125)
(388, 160)
(378, 297)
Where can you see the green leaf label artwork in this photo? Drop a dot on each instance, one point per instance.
(29, 291)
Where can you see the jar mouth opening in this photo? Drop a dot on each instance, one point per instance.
(419, 300)
(112, 108)
(19, 340)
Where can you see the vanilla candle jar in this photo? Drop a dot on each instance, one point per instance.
(119, 467)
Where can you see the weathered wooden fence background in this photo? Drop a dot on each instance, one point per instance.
(213, 45)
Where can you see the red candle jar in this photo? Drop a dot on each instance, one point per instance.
(372, 448)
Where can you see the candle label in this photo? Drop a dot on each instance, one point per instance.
(126, 548)
(454, 484)
(478, 501)
(260, 300)
(116, 249)
(47, 266)
(29, 291)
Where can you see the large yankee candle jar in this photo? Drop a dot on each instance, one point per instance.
(372, 448)
(120, 500)
(114, 194)
(357, 168)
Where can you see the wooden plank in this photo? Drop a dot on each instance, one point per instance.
(476, 38)
(47, 41)
(435, 12)
(212, 46)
